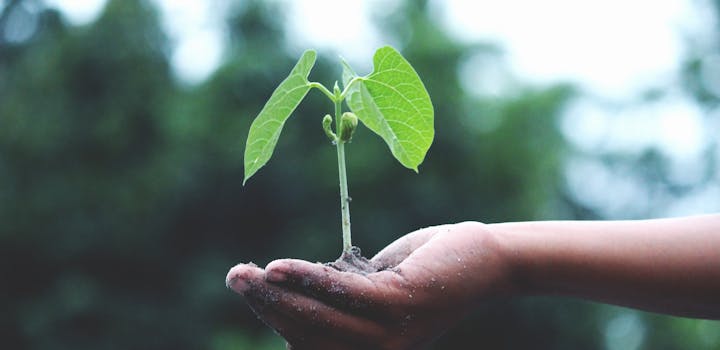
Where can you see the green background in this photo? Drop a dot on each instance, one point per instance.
(122, 209)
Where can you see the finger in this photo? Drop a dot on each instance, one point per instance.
(239, 275)
(248, 280)
(451, 247)
(298, 335)
(344, 290)
(397, 251)
(300, 318)
(293, 331)
(241, 278)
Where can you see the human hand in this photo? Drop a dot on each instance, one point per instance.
(428, 280)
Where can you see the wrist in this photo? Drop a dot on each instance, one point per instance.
(513, 250)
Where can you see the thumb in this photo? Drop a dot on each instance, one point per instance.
(397, 251)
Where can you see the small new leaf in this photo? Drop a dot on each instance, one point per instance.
(393, 102)
(348, 123)
(327, 127)
(265, 129)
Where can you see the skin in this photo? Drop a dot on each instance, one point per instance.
(434, 276)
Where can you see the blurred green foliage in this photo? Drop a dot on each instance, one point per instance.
(122, 207)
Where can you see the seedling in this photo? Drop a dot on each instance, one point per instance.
(391, 101)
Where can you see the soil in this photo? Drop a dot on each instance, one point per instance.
(353, 261)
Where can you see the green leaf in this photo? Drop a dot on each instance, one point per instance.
(265, 129)
(392, 102)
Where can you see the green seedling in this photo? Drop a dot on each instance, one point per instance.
(391, 101)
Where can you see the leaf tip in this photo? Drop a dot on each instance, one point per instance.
(245, 178)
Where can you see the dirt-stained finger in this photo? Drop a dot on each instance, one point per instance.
(293, 331)
(344, 290)
(239, 275)
(287, 311)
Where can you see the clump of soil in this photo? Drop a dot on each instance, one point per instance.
(353, 261)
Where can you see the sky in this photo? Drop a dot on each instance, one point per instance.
(614, 50)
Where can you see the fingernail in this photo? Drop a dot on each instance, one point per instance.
(275, 276)
(237, 284)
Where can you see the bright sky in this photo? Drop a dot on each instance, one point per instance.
(612, 47)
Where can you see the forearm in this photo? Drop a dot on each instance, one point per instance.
(668, 265)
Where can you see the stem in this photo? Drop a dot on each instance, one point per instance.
(344, 197)
(323, 89)
(347, 87)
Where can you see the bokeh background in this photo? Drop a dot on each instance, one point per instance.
(123, 122)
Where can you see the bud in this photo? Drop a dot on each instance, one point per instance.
(326, 122)
(348, 123)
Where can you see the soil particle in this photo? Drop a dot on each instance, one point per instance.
(353, 261)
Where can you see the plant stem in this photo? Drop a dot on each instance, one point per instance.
(323, 89)
(344, 197)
